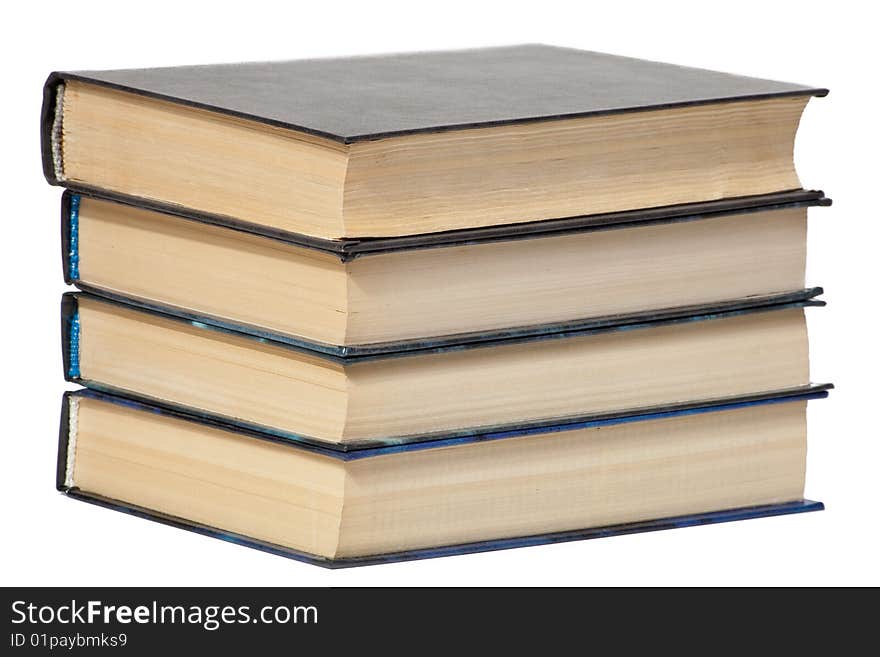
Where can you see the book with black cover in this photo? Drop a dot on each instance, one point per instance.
(350, 107)
(351, 99)
(447, 287)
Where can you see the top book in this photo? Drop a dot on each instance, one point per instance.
(420, 143)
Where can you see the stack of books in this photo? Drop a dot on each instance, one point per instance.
(365, 309)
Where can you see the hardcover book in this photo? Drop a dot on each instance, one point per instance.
(421, 143)
(479, 281)
(736, 460)
(420, 390)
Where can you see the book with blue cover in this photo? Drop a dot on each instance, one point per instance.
(729, 460)
(294, 390)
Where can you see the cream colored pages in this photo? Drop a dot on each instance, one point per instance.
(237, 377)
(296, 291)
(424, 183)
(501, 489)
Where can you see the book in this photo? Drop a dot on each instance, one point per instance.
(374, 292)
(356, 400)
(421, 143)
(713, 464)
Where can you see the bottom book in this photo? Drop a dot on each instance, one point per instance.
(701, 463)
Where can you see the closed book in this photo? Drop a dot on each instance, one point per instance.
(361, 399)
(737, 460)
(367, 294)
(421, 143)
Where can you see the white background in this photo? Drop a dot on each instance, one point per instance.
(48, 539)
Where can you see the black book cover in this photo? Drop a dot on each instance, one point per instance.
(354, 99)
(350, 99)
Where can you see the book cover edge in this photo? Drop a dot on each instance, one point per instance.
(791, 507)
(70, 236)
(47, 119)
(389, 445)
(347, 249)
(70, 336)
(63, 442)
(348, 354)
(57, 77)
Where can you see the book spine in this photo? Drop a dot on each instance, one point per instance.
(63, 470)
(50, 129)
(70, 236)
(70, 334)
